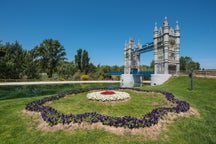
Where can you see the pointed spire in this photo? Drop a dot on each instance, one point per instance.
(131, 40)
(165, 23)
(155, 28)
(139, 44)
(125, 43)
(177, 26)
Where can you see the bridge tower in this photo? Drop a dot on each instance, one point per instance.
(166, 52)
(131, 57)
(131, 64)
(166, 49)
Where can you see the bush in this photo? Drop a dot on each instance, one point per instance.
(100, 77)
(85, 77)
(61, 79)
(76, 76)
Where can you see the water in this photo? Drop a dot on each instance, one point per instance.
(11, 92)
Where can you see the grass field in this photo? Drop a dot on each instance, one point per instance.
(18, 128)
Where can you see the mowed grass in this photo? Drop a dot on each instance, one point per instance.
(138, 104)
(16, 127)
(193, 130)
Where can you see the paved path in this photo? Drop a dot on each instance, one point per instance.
(53, 82)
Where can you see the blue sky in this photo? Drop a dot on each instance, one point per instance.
(102, 26)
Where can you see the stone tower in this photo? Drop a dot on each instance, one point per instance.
(131, 58)
(166, 49)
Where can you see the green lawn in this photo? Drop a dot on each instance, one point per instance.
(136, 106)
(17, 128)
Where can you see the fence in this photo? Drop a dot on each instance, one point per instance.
(200, 73)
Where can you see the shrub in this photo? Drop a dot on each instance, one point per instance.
(76, 76)
(85, 77)
(100, 77)
(61, 79)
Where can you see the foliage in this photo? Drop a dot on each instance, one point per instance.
(53, 117)
(100, 77)
(152, 65)
(49, 54)
(186, 63)
(66, 69)
(82, 61)
(15, 62)
(85, 77)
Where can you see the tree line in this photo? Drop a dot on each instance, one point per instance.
(48, 60)
(186, 64)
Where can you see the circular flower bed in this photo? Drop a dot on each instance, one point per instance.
(53, 117)
(108, 95)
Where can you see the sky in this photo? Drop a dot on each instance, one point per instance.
(103, 26)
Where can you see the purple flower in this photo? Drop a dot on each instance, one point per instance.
(53, 117)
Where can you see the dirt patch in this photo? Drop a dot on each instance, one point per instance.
(152, 132)
(154, 103)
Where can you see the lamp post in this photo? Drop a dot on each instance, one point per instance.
(192, 79)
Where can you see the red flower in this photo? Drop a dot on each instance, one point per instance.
(108, 92)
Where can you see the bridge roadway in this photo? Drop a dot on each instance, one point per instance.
(141, 73)
(145, 48)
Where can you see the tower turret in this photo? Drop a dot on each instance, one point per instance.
(177, 39)
(155, 48)
(165, 22)
(155, 31)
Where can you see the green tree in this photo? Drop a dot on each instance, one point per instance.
(85, 62)
(49, 54)
(186, 63)
(15, 62)
(78, 59)
(82, 61)
(66, 69)
(12, 60)
(30, 66)
(152, 65)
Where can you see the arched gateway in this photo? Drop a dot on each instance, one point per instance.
(166, 47)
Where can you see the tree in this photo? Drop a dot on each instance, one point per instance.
(49, 54)
(15, 62)
(12, 60)
(30, 66)
(66, 69)
(85, 62)
(78, 59)
(186, 63)
(82, 61)
(152, 64)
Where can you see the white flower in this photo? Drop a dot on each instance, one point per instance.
(112, 97)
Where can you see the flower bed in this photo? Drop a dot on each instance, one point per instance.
(108, 92)
(108, 95)
(53, 117)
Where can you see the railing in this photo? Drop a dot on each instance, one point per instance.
(200, 73)
(141, 73)
(145, 48)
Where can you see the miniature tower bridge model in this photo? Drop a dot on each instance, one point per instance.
(166, 47)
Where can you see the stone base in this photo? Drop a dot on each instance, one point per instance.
(127, 80)
(158, 79)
